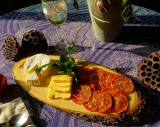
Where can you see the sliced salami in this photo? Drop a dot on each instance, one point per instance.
(110, 79)
(92, 105)
(101, 102)
(85, 74)
(123, 84)
(100, 71)
(81, 94)
(103, 80)
(95, 86)
(88, 75)
(120, 100)
(107, 90)
(95, 81)
(106, 80)
(104, 102)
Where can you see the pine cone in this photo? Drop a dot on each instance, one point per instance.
(11, 48)
(34, 42)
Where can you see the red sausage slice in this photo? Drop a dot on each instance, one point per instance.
(103, 80)
(88, 75)
(101, 102)
(104, 102)
(92, 105)
(120, 101)
(85, 74)
(110, 79)
(95, 80)
(81, 94)
(106, 80)
(123, 84)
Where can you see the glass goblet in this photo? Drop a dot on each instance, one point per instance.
(55, 12)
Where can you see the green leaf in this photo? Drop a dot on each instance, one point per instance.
(71, 60)
(69, 49)
(126, 2)
(127, 12)
(63, 58)
(61, 68)
(75, 80)
(67, 71)
(58, 64)
(65, 65)
(75, 4)
(41, 67)
(75, 70)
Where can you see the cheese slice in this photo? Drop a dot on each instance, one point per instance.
(61, 88)
(62, 78)
(55, 95)
(34, 79)
(58, 83)
(37, 61)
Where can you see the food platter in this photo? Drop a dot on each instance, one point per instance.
(78, 111)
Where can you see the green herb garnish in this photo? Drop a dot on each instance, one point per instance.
(65, 64)
(41, 67)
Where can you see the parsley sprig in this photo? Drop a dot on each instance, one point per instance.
(65, 65)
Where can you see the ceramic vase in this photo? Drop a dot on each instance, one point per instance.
(106, 26)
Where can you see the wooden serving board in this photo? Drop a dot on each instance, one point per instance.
(41, 92)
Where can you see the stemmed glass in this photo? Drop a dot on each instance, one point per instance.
(55, 12)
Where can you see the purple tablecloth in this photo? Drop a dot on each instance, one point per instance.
(140, 37)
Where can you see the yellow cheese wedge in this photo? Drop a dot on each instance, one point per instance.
(53, 94)
(34, 66)
(34, 79)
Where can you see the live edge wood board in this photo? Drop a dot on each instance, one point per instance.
(142, 107)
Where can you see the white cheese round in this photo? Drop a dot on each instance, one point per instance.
(37, 61)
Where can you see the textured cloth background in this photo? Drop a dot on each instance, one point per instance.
(139, 38)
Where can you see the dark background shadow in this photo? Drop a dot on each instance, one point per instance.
(7, 6)
(148, 37)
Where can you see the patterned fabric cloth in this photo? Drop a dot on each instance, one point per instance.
(140, 37)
